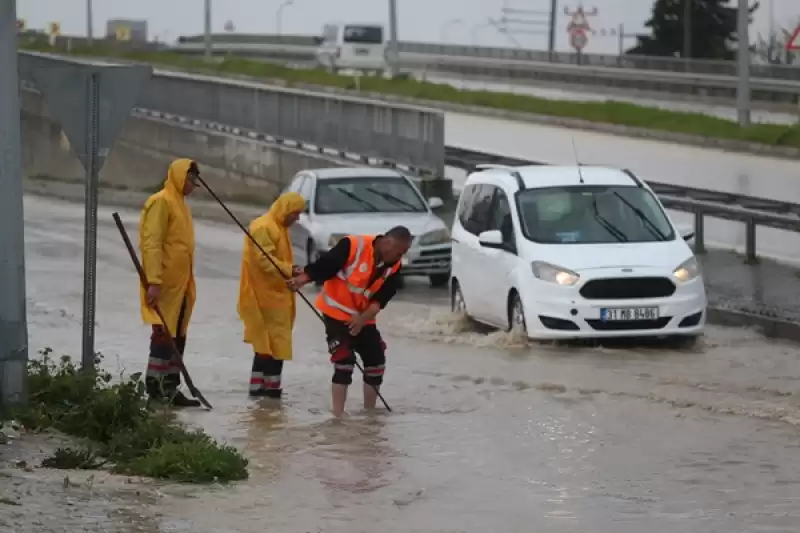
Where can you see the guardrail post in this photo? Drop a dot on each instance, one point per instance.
(750, 243)
(699, 233)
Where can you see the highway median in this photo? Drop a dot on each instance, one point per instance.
(621, 114)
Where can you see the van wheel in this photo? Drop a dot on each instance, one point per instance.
(312, 255)
(457, 303)
(516, 316)
(439, 280)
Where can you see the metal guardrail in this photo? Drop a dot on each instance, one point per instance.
(638, 62)
(751, 210)
(406, 134)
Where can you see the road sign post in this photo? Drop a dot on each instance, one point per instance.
(793, 44)
(579, 28)
(13, 315)
(91, 102)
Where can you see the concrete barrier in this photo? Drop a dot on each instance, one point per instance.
(236, 167)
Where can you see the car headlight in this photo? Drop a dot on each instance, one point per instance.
(554, 273)
(688, 270)
(334, 239)
(437, 236)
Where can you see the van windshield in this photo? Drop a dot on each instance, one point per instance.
(592, 215)
(363, 34)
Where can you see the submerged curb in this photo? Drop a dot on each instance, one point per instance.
(771, 327)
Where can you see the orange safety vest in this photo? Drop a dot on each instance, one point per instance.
(347, 294)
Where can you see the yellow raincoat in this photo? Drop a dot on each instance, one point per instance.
(166, 244)
(266, 305)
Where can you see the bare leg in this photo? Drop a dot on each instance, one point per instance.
(370, 396)
(339, 396)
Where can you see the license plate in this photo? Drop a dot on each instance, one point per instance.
(628, 313)
(361, 52)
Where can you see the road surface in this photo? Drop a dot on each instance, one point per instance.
(486, 434)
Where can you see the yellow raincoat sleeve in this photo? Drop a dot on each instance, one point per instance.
(155, 221)
(263, 238)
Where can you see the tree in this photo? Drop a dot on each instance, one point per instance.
(712, 32)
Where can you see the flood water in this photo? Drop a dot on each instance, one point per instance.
(485, 434)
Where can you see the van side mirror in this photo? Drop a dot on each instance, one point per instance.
(435, 202)
(686, 232)
(491, 239)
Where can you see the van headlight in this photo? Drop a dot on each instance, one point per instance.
(554, 273)
(334, 239)
(437, 236)
(688, 270)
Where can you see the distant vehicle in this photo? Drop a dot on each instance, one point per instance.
(344, 201)
(573, 252)
(352, 46)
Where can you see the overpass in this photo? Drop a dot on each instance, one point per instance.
(770, 83)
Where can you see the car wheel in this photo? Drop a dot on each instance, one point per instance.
(439, 280)
(516, 317)
(312, 255)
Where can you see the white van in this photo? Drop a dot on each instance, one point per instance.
(573, 252)
(352, 46)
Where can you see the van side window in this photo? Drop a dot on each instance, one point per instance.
(500, 218)
(480, 214)
(465, 204)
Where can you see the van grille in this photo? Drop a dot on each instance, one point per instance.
(627, 288)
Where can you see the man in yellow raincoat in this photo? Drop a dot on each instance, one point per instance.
(266, 304)
(166, 244)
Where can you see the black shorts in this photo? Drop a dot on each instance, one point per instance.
(368, 344)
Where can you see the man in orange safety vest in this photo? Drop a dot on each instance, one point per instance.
(361, 275)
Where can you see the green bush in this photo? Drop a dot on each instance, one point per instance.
(120, 427)
(610, 112)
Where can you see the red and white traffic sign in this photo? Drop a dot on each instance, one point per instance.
(578, 39)
(794, 41)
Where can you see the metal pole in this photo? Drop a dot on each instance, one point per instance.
(551, 39)
(207, 30)
(687, 29)
(743, 89)
(90, 226)
(621, 41)
(394, 54)
(89, 20)
(13, 321)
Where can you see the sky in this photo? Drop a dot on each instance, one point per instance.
(452, 21)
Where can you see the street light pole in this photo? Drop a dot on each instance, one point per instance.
(687, 29)
(394, 53)
(551, 39)
(13, 321)
(743, 53)
(279, 15)
(89, 20)
(207, 30)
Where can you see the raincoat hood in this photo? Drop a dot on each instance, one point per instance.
(176, 176)
(286, 203)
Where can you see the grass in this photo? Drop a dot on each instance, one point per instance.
(117, 427)
(619, 113)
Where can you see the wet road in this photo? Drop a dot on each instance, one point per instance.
(486, 435)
